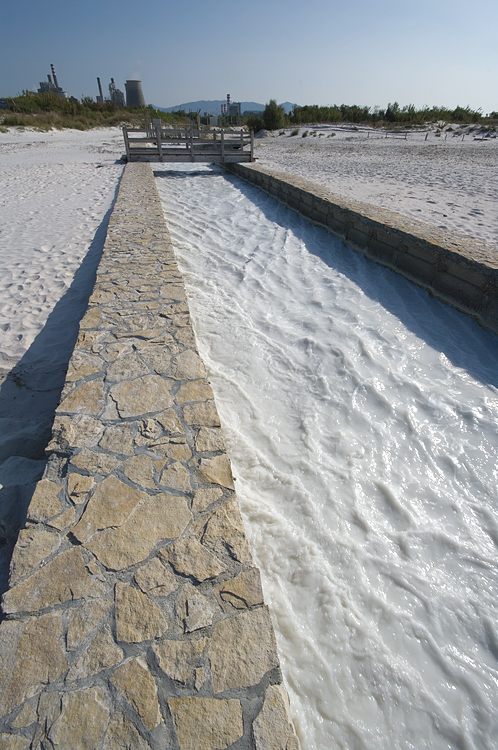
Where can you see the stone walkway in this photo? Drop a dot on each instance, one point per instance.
(135, 617)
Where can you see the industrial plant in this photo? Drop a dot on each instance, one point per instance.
(134, 93)
(52, 86)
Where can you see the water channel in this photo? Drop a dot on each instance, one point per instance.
(361, 419)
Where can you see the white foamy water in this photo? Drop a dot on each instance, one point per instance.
(360, 416)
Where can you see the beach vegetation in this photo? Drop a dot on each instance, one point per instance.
(273, 116)
(393, 115)
(46, 111)
(255, 123)
(295, 131)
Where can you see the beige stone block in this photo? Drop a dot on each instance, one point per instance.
(242, 650)
(216, 470)
(83, 619)
(34, 545)
(273, 728)
(125, 368)
(94, 462)
(101, 296)
(201, 414)
(241, 592)
(142, 396)
(80, 431)
(122, 735)
(110, 505)
(137, 617)
(86, 399)
(64, 520)
(197, 610)
(78, 487)
(116, 349)
(157, 357)
(159, 517)
(178, 659)
(136, 683)
(200, 677)
(118, 439)
(49, 709)
(196, 391)
(82, 364)
(153, 578)
(149, 429)
(26, 716)
(177, 477)
(209, 439)
(63, 579)
(173, 292)
(83, 721)
(168, 447)
(206, 723)
(188, 366)
(91, 318)
(141, 469)
(102, 653)
(24, 673)
(45, 503)
(225, 531)
(204, 498)
(186, 336)
(14, 742)
(188, 557)
(170, 422)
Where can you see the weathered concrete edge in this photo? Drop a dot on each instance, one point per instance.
(135, 615)
(456, 269)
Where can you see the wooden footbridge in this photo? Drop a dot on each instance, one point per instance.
(188, 145)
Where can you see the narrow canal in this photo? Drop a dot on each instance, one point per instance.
(361, 419)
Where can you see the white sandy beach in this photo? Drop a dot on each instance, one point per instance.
(360, 412)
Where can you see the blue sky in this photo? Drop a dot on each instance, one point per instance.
(367, 52)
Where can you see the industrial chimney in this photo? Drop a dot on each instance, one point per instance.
(134, 94)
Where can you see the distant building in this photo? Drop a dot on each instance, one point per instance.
(230, 109)
(50, 86)
(115, 95)
(134, 94)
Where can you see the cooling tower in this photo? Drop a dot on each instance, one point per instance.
(134, 94)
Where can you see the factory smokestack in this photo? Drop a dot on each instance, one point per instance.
(55, 77)
(134, 94)
(100, 89)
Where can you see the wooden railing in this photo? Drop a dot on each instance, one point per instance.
(186, 144)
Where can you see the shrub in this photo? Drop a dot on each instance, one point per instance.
(295, 131)
(273, 116)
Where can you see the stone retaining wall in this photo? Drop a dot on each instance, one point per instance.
(455, 269)
(135, 617)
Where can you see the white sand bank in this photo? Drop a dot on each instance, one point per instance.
(444, 181)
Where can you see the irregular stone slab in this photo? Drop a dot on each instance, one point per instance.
(137, 617)
(14, 742)
(86, 399)
(168, 447)
(186, 336)
(118, 439)
(24, 673)
(102, 653)
(63, 579)
(140, 469)
(225, 532)
(190, 558)
(188, 366)
(241, 592)
(155, 579)
(83, 619)
(79, 431)
(156, 357)
(242, 650)
(216, 470)
(206, 723)
(209, 439)
(201, 414)
(45, 503)
(110, 505)
(199, 612)
(170, 422)
(64, 520)
(178, 659)
(196, 391)
(83, 364)
(78, 487)
(159, 517)
(95, 463)
(34, 545)
(125, 368)
(91, 318)
(26, 716)
(122, 735)
(136, 683)
(145, 395)
(273, 728)
(204, 498)
(177, 477)
(83, 721)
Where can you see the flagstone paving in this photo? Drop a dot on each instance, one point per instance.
(135, 615)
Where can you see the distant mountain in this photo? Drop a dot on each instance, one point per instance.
(214, 106)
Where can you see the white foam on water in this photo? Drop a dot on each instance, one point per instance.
(360, 416)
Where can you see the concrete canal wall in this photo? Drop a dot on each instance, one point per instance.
(135, 616)
(456, 269)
